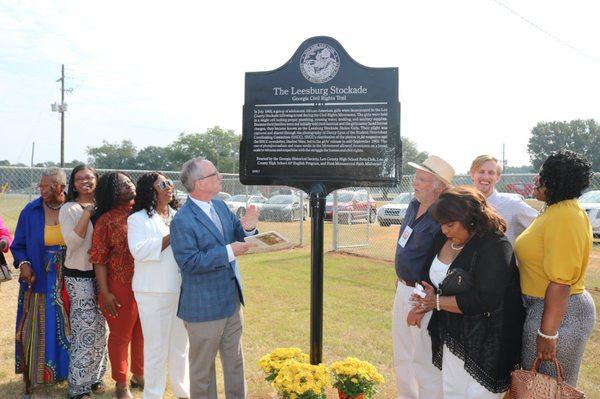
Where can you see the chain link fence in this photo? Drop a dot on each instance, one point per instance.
(363, 221)
(387, 206)
(18, 186)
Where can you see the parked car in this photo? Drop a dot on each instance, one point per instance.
(238, 203)
(590, 201)
(223, 196)
(182, 196)
(524, 189)
(351, 206)
(394, 212)
(282, 208)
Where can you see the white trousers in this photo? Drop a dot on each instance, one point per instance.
(458, 384)
(416, 376)
(165, 345)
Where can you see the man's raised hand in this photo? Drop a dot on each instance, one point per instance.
(250, 219)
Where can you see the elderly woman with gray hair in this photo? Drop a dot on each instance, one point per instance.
(38, 249)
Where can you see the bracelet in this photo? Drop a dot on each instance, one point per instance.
(541, 334)
(437, 302)
(23, 262)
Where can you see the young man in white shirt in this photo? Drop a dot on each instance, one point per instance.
(486, 172)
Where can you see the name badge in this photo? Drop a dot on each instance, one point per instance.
(405, 236)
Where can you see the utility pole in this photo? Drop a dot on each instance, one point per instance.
(504, 161)
(62, 117)
(62, 108)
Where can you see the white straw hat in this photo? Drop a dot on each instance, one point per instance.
(437, 167)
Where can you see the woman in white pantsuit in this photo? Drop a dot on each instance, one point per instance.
(156, 285)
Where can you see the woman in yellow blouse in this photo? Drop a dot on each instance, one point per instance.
(553, 256)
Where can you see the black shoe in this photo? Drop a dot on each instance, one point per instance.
(98, 388)
(135, 383)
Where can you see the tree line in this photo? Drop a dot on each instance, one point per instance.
(221, 146)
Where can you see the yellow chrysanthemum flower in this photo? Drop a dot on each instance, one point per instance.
(354, 376)
(297, 379)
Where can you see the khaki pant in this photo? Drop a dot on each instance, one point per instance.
(206, 339)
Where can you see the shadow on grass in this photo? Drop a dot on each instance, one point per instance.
(15, 389)
(12, 389)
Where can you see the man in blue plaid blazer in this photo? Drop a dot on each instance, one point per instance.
(206, 238)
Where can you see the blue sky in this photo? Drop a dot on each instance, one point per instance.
(473, 75)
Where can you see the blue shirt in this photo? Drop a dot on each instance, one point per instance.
(410, 259)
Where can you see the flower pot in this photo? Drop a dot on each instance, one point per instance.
(342, 395)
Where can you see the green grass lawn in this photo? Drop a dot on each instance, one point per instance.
(10, 207)
(357, 318)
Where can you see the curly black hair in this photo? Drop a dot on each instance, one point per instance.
(107, 193)
(145, 194)
(71, 192)
(467, 205)
(565, 175)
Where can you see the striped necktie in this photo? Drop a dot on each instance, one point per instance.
(215, 218)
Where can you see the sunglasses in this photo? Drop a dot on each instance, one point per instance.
(165, 184)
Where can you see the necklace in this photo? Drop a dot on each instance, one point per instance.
(166, 219)
(53, 208)
(456, 248)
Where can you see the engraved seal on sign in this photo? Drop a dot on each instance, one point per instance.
(319, 63)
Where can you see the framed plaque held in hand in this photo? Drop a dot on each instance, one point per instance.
(269, 241)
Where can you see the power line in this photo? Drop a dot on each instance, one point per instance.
(558, 39)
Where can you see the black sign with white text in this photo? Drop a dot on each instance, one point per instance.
(321, 117)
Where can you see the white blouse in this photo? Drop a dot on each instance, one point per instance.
(155, 270)
(77, 247)
(438, 271)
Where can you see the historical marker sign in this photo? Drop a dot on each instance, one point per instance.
(321, 117)
(321, 122)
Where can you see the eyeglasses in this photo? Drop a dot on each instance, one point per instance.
(211, 175)
(165, 184)
(85, 179)
(47, 186)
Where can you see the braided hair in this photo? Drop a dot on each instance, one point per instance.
(107, 193)
(145, 194)
(468, 206)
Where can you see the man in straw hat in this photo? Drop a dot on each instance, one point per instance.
(416, 376)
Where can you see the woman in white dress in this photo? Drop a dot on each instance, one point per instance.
(156, 285)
